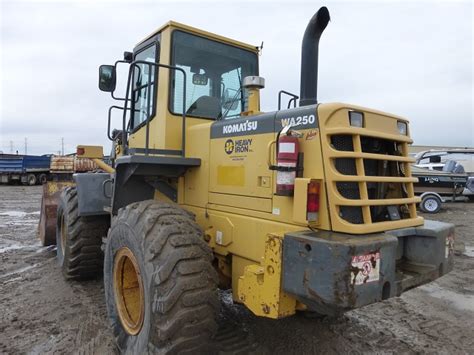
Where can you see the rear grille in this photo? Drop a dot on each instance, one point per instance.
(370, 180)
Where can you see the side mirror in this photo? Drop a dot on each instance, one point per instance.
(107, 78)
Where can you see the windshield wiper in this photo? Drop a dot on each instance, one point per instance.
(234, 99)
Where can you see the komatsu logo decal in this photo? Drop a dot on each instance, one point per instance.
(298, 121)
(240, 127)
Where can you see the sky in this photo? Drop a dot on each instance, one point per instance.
(413, 59)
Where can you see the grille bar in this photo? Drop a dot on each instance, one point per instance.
(376, 202)
(368, 133)
(356, 178)
(355, 155)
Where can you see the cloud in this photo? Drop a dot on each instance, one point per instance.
(406, 58)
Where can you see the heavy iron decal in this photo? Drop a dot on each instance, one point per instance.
(238, 146)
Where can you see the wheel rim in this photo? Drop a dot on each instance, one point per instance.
(128, 290)
(63, 235)
(431, 205)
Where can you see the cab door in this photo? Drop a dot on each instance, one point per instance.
(239, 173)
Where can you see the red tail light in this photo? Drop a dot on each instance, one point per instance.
(80, 151)
(312, 205)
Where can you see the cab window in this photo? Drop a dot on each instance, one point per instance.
(144, 81)
(214, 74)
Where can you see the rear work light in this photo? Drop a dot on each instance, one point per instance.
(402, 127)
(312, 205)
(356, 119)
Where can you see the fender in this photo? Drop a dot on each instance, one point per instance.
(427, 193)
(93, 193)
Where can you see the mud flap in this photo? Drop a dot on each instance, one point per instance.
(332, 272)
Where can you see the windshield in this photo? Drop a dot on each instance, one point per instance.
(214, 74)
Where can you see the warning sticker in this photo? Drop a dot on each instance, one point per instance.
(365, 268)
(449, 245)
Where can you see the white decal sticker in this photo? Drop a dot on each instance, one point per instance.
(365, 268)
(219, 236)
(298, 121)
(286, 147)
(276, 211)
(286, 177)
(240, 127)
(449, 245)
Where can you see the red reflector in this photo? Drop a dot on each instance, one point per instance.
(313, 203)
(80, 151)
(313, 197)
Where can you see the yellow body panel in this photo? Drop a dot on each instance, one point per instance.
(260, 286)
(90, 151)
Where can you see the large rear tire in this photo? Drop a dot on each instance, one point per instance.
(79, 239)
(160, 285)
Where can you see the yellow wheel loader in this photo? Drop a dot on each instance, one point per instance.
(307, 208)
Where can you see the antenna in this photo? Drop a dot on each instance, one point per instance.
(26, 146)
(62, 145)
(11, 147)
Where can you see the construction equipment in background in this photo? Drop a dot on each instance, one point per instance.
(60, 175)
(310, 208)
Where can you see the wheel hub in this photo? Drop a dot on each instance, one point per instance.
(431, 205)
(128, 290)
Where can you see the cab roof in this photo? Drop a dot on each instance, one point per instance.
(197, 31)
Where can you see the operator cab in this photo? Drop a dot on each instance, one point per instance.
(178, 77)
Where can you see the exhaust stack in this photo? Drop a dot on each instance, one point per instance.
(309, 57)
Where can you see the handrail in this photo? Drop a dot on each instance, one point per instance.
(133, 65)
(293, 98)
(109, 119)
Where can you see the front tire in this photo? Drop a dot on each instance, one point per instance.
(160, 286)
(79, 239)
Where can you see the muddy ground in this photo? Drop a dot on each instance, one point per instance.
(41, 313)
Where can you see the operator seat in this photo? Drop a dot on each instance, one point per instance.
(206, 106)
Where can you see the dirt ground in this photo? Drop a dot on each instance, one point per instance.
(41, 313)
